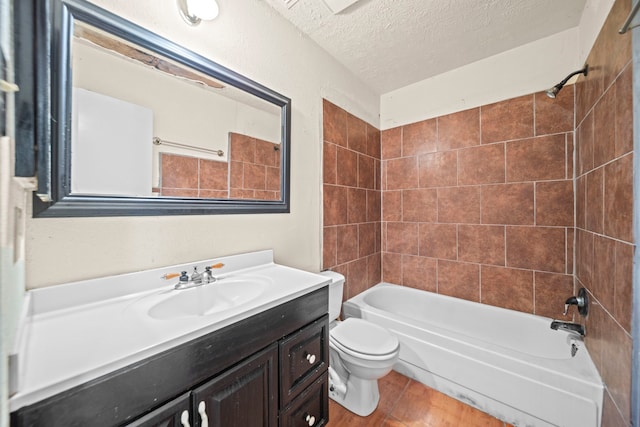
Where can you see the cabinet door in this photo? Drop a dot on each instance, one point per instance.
(243, 396)
(172, 414)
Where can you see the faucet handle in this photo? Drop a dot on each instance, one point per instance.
(581, 301)
(218, 265)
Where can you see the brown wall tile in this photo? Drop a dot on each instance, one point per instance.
(366, 239)
(356, 134)
(374, 269)
(329, 163)
(594, 214)
(392, 268)
(402, 238)
(508, 204)
(623, 291)
(536, 248)
(402, 173)
(483, 244)
(438, 241)
(391, 143)
(459, 205)
(581, 202)
(356, 205)
(374, 205)
(604, 129)
(329, 247)
(213, 194)
(334, 205)
(214, 175)
(459, 130)
(334, 121)
(507, 288)
(242, 148)
(255, 177)
(392, 206)
(179, 171)
(554, 203)
(481, 165)
(460, 280)
(616, 372)
(624, 112)
(419, 272)
(347, 162)
(273, 178)
(604, 254)
(618, 198)
(551, 291)
(373, 142)
(358, 276)
(584, 146)
(346, 243)
(366, 172)
(419, 205)
(584, 257)
(419, 138)
(179, 192)
(438, 169)
(507, 120)
(267, 153)
(555, 115)
(536, 159)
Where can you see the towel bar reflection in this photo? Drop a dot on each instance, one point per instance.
(158, 141)
(626, 26)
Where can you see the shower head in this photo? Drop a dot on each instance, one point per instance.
(551, 93)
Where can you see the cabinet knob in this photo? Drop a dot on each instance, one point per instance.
(310, 419)
(202, 410)
(184, 419)
(311, 358)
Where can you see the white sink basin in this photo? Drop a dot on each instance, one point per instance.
(225, 294)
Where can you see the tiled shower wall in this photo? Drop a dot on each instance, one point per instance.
(351, 198)
(479, 204)
(604, 215)
(254, 172)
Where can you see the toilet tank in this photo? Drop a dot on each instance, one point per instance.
(335, 293)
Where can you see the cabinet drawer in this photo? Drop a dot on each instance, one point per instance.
(304, 356)
(311, 408)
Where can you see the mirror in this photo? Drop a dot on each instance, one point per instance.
(129, 123)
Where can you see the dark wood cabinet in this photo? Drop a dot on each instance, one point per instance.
(267, 370)
(246, 395)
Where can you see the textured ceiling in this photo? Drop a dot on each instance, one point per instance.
(390, 44)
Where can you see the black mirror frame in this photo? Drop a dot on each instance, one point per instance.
(43, 109)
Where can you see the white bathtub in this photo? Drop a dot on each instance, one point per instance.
(509, 364)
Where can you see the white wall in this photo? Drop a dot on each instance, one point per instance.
(526, 69)
(252, 39)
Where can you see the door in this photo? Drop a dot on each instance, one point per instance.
(243, 396)
(173, 414)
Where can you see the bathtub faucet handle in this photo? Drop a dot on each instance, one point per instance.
(581, 301)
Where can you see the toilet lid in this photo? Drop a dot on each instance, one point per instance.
(364, 337)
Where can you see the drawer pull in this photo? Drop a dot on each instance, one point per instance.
(184, 419)
(310, 419)
(311, 358)
(203, 415)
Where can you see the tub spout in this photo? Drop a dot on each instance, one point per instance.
(568, 326)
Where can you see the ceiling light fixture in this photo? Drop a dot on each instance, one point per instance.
(195, 11)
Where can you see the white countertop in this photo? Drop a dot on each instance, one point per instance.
(77, 332)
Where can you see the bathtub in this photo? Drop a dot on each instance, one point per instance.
(509, 364)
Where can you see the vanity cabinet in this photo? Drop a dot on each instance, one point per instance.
(267, 370)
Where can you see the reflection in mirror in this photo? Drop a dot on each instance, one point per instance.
(146, 126)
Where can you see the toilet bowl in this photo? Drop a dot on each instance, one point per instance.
(360, 353)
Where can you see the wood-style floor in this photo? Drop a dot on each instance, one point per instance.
(408, 403)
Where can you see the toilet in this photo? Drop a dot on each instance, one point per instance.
(360, 353)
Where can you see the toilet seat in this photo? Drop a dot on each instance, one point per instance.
(363, 339)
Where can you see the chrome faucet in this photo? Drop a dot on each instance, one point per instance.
(196, 279)
(568, 326)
